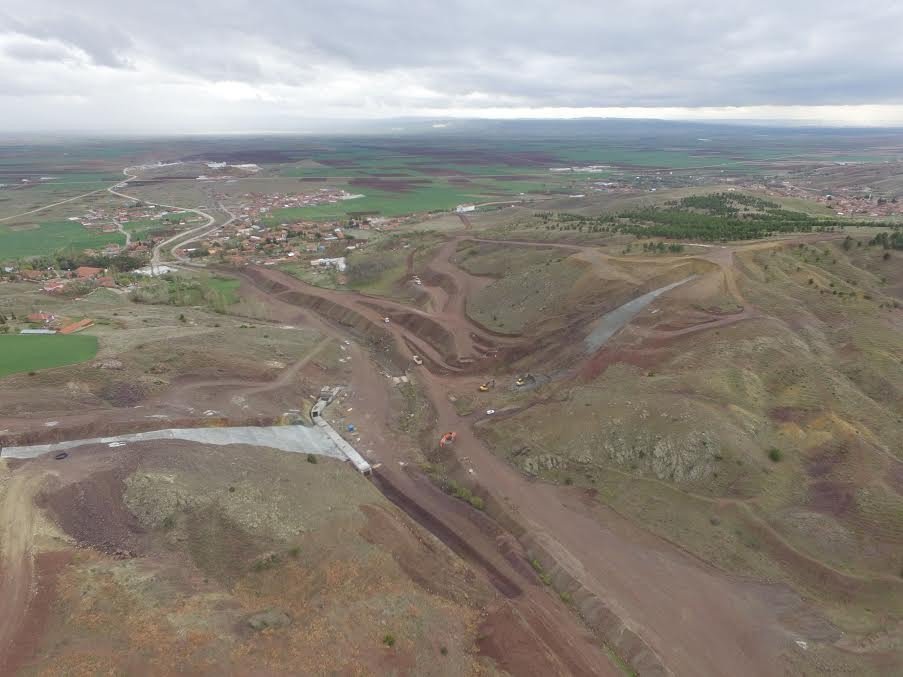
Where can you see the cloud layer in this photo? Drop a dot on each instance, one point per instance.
(192, 65)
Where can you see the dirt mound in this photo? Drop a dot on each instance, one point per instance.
(219, 547)
(92, 512)
(351, 587)
(124, 393)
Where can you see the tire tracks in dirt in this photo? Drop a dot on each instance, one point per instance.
(17, 569)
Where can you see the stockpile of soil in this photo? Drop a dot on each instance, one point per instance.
(124, 393)
(92, 512)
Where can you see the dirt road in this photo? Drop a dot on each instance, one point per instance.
(17, 526)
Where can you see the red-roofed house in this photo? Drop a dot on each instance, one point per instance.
(87, 272)
(40, 318)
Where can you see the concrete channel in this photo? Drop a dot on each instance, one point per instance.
(316, 413)
(320, 439)
(611, 323)
(292, 438)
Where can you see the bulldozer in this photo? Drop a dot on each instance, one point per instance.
(485, 387)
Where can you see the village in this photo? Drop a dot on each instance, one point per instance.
(250, 238)
(253, 237)
(856, 201)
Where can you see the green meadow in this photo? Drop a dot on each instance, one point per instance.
(23, 353)
(45, 238)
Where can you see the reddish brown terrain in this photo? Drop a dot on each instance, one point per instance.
(562, 571)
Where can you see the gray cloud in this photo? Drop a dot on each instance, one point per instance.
(277, 59)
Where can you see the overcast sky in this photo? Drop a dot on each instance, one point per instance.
(233, 65)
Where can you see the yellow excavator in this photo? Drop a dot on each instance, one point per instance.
(485, 387)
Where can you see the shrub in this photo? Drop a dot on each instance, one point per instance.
(775, 454)
(389, 640)
(443, 650)
(543, 576)
(311, 458)
(267, 562)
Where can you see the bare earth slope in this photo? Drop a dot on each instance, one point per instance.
(713, 487)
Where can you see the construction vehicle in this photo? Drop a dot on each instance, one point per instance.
(524, 380)
(448, 439)
(417, 360)
(486, 386)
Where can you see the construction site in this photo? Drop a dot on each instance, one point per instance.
(513, 454)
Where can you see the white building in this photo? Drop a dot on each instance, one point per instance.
(337, 263)
(461, 209)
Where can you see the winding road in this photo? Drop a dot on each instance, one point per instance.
(182, 238)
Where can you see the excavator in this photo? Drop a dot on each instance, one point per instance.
(485, 387)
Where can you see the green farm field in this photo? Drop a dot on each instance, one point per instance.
(32, 353)
(37, 239)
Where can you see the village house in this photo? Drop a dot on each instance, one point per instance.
(40, 318)
(88, 272)
(338, 263)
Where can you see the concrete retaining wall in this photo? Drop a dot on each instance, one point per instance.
(350, 452)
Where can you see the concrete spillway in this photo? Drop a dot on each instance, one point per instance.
(609, 324)
(319, 439)
(291, 438)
